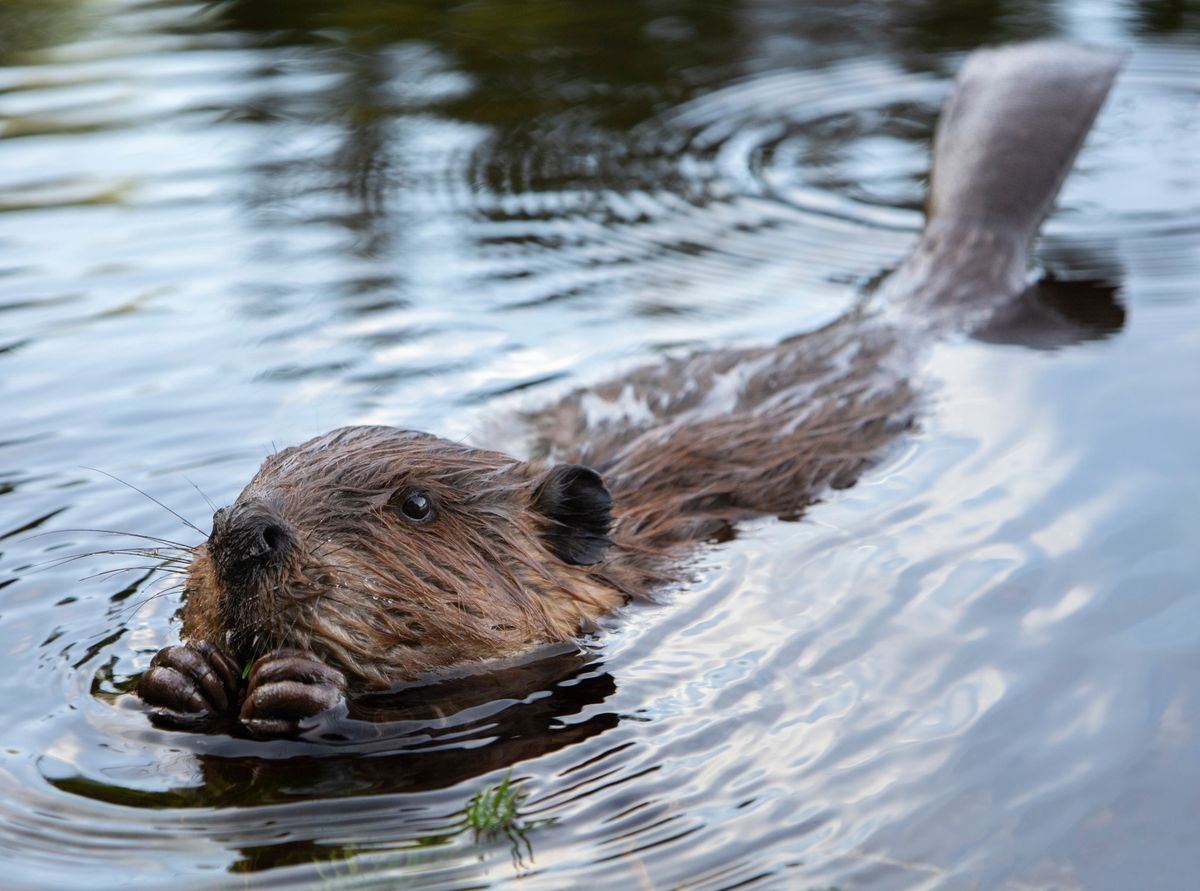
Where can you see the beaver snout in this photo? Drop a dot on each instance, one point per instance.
(249, 541)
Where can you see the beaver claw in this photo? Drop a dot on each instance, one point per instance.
(192, 680)
(286, 687)
(195, 680)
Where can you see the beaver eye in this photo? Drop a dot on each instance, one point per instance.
(416, 507)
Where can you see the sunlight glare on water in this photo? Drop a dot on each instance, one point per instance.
(227, 227)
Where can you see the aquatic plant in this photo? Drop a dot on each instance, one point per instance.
(497, 809)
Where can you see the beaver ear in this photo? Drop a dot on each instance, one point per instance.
(577, 502)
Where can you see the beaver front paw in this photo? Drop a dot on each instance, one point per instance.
(286, 687)
(191, 681)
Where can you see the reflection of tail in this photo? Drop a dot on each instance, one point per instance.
(1005, 142)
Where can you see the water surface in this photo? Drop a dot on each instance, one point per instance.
(230, 226)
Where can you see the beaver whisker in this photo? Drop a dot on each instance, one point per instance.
(179, 584)
(211, 506)
(167, 589)
(163, 541)
(122, 569)
(132, 609)
(173, 513)
(153, 554)
(318, 551)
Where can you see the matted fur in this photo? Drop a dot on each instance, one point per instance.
(377, 596)
(688, 447)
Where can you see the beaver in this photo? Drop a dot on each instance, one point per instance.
(371, 556)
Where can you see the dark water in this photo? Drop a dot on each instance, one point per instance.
(225, 226)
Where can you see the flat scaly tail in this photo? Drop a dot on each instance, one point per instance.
(1006, 140)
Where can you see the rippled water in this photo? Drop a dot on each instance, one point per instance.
(225, 226)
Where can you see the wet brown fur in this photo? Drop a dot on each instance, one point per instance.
(688, 448)
(383, 599)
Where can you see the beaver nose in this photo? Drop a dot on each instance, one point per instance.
(264, 538)
(248, 539)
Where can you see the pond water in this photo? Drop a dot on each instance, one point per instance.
(230, 226)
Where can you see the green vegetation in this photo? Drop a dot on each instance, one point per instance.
(492, 811)
(496, 809)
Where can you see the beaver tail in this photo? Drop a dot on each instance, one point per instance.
(1005, 142)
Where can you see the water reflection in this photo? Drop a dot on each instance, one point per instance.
(417, 738)
(1056, 314)
(1174, 17)
(940, 25)
(235, 224)
(30, 25)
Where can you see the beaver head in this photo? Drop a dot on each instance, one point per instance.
(389, 552)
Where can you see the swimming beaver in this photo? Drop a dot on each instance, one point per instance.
(371, 555)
